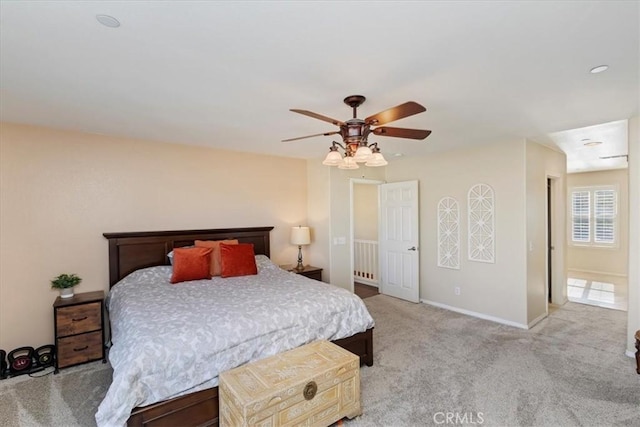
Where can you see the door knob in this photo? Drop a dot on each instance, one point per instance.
(412, 248)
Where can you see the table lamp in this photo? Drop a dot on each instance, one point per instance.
(300, 236)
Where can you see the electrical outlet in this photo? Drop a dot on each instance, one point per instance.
(456, 290)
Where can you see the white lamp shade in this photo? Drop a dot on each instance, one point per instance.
(334, 158)
(363, 153)
(376, 160)
(300, 236)
(348, 163)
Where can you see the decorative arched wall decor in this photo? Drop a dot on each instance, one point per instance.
(448, 233)
(481, 224)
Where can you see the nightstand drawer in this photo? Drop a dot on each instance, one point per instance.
(78, 319)
(79, 349)
(316, 275)
(308, 271)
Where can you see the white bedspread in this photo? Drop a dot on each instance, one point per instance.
(169, 340)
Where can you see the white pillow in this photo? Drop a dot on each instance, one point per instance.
(170, 254)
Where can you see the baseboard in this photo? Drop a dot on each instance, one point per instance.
(475, 314)
(537, 320)
(602, 273)
(560, 304)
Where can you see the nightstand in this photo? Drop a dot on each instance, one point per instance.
(79, 329)
(309, 271)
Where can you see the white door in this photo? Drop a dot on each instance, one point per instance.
(398, 236)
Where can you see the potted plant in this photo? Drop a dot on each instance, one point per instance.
(65, 283)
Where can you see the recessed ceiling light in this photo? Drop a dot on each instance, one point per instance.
(599, 69)
(108, 21)
(398, 154)
(592, 143)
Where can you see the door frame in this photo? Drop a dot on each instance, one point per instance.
(550, 241)
(558, 236)
(352, 182)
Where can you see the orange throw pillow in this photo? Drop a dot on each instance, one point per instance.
(191, 264)
(215, 254)
(238, 260)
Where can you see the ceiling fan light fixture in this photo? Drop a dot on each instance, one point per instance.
(363, 153)
(355, 131)
(334, 158)
(348, 163)
(377, 159)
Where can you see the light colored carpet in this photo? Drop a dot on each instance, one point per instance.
(70, 398)
(432, 367)
(569, 370)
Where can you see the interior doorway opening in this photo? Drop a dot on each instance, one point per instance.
(598, 251)
(364, 237)
(556, 286)
(550, 247)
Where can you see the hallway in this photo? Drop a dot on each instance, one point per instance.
(598, 290)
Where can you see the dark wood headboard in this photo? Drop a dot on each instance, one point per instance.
(132, 251)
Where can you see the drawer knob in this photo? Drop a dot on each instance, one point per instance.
(79, 319)
(310, 390)
(81, 348)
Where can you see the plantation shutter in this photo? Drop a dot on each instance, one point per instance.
(604, 215)
(580, 216)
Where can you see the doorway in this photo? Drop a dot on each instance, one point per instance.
(364, 236)
(393, 265)
(555, 234)
(598, 265)
(550, 247)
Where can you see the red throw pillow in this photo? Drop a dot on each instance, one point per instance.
(191, 264)
(215, 255)
(238, 260)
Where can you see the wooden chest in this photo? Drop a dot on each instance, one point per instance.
(313, 385)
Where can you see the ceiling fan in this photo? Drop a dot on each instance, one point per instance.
(355, 133)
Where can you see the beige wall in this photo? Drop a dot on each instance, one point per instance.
(318, 207)
(613, 260)
(365, 211)
(543, 163)
(59, 191)
(493, 290)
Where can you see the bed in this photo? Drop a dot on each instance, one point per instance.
(136, 256)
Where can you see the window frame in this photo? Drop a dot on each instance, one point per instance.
(592, 218)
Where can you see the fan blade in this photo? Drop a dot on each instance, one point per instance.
(310, 136)
(402, 133)
(396, 113)
(319, 117)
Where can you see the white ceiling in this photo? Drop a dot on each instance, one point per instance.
(225, 74)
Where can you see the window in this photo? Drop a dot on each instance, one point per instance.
(580, 214)
(593, 216)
